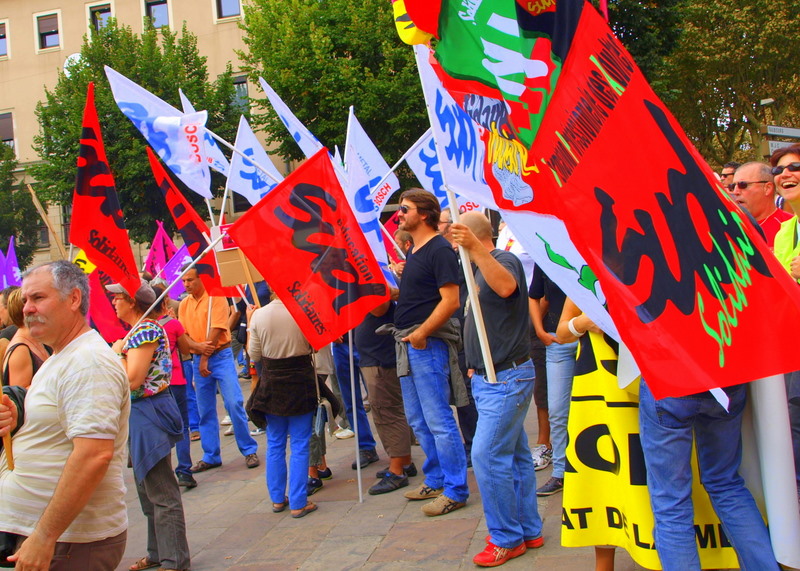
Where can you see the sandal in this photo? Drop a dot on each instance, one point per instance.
(278, 508)
(144, 563)
(310, 507)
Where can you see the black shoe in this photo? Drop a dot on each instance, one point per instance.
(325, 474)
(550, 487)
(389, 483)
(314, 485)
(366, 457)
(410, 471)
(187, 481)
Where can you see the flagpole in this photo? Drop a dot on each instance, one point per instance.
(400, 161)
(210, 213)
(355, 416)
(241, 154)
(47, 222)
(466, 265)
(392, 242)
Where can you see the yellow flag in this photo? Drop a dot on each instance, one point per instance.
(83, 262)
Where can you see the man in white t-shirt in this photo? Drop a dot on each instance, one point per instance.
(66, 496)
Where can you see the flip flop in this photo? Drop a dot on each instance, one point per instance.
(144, 563)
(310, 507)
(278, 508)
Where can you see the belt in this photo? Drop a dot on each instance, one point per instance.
(221, 347)
(504, 366)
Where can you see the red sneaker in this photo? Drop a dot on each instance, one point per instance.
(534, 543)
(493, 555)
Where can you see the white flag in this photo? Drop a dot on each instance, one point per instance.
(307, 142)
(177, 138)
(245, 177)
(216, 159)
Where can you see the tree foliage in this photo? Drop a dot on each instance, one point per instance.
(730, 56)
(17, 213)
(321, 56)
(158, 60)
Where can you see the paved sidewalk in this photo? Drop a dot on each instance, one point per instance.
(231, 525)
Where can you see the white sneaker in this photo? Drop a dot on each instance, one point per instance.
(226, 421)
(257, 431)
(542, 457)
(344, 433)
(229, 431)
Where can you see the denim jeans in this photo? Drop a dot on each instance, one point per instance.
(223, 374)
(298, 430)
(426, 396)
(341, 361)
(191, 397)
(666, 428)
(182, 447)
(560, 370)
(501, 458)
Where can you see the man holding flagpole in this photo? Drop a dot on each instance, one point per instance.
(205, 319)
(428, 336)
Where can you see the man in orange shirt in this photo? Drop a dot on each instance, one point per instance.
(213, 369)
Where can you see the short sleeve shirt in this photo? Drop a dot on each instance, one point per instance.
(434, 265)
(174, 330)
(160, 371)
(542, 286)
(375, 350)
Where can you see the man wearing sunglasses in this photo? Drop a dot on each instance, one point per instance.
(427, 335)
(726, 174)
(752, 188)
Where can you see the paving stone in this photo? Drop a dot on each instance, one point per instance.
(426, 541)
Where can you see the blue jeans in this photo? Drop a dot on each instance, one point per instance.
(560, 370)
(182, 447)
(426, 396)
(501, 458)
(666, 428)
(223, 374)
(298, 430)
(191, 397)
(341, 360)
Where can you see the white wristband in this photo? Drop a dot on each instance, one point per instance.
(571, 326)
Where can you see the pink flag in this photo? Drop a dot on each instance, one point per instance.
(162, 248)
(13, 276)
(391, 227)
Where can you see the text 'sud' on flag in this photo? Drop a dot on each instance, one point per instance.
(192, 228)
(97, 225)
(306, 242)
(694, 292)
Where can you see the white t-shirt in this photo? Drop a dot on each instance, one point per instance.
(80, 392)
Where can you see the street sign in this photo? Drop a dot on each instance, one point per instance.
(769, 147)
(778, 131)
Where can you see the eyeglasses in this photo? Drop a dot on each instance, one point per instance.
(791, 167)
(725, 174)
(404, 209)
(744, 184)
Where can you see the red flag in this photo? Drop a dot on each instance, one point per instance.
(162, 248)
(102, 315)
(391, 226)
(306, 242)
(192, 228)
(97, 225)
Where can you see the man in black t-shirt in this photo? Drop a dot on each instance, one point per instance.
(428, 299)
(503, 465)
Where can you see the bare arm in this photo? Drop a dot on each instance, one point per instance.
(213, 336)
(440, 314)
(497, 277)
(20, 368)
(137, 363)
(582, 323)
(536, 308)
(188, 345)
(381, 309)
(84, 470)
(8, 415)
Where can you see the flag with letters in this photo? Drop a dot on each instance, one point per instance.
(162, 248)
(244, 177)
(307, 244)
(214, 156)
(97, 225)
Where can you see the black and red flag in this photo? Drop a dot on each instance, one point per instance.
(193, 229)
(97, 225)
(306, 242)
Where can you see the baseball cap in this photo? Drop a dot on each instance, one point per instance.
(144, 294)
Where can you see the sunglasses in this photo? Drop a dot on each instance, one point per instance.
(725, 174)
(791, 167)
(744, 184)
(404, 209)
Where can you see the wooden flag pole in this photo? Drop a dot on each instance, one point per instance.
(47, 222)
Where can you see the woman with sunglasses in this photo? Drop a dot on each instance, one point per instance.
(786, 170)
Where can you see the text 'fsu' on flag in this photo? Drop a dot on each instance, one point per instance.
(97, 225)
(314, 256)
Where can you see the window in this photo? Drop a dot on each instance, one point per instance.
(158, 12)
(3, 40)
(44, 235)
(66, 219)
(228, 8)
(99, 15)
(7, 129)
(48, 31)
(240, 96)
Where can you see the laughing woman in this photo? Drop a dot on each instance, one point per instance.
(786, 170)
(155, 427)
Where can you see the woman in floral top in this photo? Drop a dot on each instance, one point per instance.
(155, 427)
